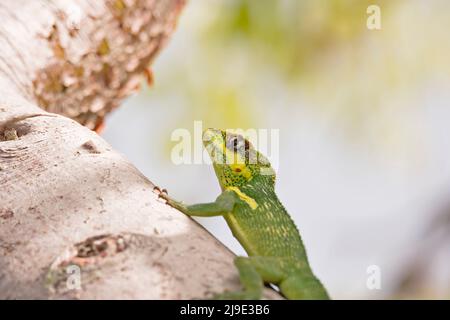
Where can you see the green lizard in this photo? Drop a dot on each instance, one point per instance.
(257, 219)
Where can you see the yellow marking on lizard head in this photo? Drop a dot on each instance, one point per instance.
(249, 200)
(235, 160)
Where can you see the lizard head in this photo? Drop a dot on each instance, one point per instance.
(234, 158)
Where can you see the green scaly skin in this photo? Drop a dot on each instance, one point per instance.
(258, 220)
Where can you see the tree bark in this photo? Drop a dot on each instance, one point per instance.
(68, 202)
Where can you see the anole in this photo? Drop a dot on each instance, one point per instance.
(257, 219)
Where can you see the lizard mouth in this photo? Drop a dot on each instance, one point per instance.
(213, 143)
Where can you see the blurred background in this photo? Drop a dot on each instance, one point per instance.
(364, 140)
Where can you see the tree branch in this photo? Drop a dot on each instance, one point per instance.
(67, 200)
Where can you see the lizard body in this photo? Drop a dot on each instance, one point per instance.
(257, 219)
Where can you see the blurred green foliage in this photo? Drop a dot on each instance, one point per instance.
(288, 34)
(241, 43)
(318, 53)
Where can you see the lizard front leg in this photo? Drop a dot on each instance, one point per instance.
(223, 204)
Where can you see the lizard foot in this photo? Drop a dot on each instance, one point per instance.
(169, 201)
(159, 191)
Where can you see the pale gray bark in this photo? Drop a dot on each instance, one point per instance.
(67, 198)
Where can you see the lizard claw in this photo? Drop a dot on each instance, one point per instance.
(170, 202)
(156, 190)
(162, 194)
(159, 191)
